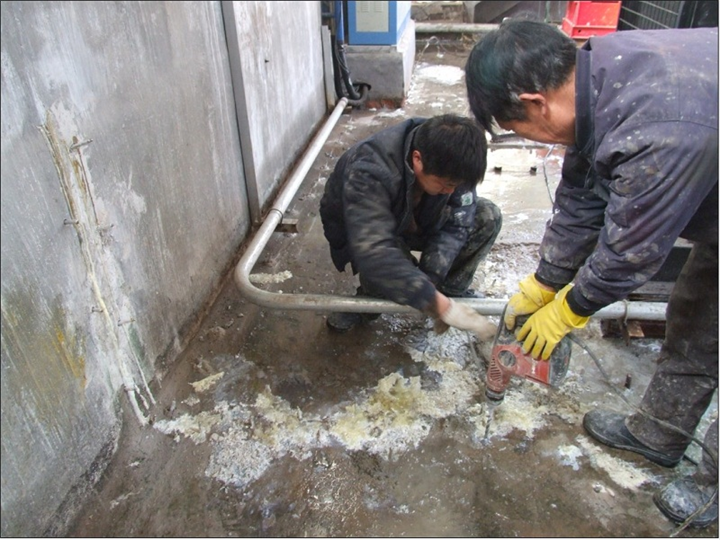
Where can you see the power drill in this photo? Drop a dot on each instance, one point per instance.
(509, 360)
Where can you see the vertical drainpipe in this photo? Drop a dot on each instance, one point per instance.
(241, 111)
(339, 22)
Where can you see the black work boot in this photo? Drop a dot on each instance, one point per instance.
(683, 497)
(343, 322)
(609, 428)
(468, 293)
(471, 293)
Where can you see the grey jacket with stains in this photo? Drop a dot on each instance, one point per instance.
(366, 212)
(644, 168)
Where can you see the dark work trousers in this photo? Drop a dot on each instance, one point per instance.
(488, 222)
(687, 373)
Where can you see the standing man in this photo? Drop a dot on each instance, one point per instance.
(638, 112)
(411, 187)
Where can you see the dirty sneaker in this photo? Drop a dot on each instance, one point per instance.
(343, 322)
(683, 497)
(609, 428)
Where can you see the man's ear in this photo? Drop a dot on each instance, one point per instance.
(534, 103)
(417, 160)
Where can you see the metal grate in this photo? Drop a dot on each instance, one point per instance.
(639, 15)
(645, 15)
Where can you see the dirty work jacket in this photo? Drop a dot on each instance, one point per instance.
(644, 168)
(366, 212)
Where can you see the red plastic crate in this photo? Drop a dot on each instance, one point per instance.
(586, 19)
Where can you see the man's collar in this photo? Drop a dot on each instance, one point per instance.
(410, 173)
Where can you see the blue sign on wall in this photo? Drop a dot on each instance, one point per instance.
(377, 23)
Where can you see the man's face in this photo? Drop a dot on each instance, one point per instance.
(549, 117)
(436, 185)
(534, 131)
(430, 183)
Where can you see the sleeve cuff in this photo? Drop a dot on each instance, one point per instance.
(581, 305)
(553, 276)
(555, 286)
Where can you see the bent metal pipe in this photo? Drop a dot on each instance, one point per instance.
(650, 311)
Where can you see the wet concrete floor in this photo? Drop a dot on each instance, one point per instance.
(270, 425)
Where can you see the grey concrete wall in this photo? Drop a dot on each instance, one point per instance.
(280, 66)
(123, 204)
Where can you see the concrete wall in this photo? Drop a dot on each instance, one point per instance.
(124, 202)
(280, 90)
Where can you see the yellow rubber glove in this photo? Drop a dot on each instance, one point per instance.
(548, 325)
(532, 296)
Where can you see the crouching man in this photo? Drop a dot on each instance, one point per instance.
(411, 188)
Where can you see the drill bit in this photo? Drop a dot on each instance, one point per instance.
(489, 413)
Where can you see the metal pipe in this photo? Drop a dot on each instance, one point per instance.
(326, 302)
(464, 28)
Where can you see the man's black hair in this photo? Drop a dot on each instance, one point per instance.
(520, 56)
(453, 147)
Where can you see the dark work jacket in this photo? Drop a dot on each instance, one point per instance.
(366, 212)
(644, 168)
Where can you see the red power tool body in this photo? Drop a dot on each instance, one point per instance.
(508, 360)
